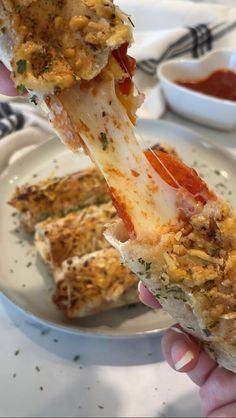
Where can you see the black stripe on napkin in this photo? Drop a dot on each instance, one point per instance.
(10, 121)
(197, 41)
(202, 39)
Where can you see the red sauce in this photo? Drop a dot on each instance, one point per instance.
(220, 84)
(122, 213)
(128, 64)
(135, 173)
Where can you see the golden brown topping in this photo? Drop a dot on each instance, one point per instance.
(78, 23)
(16, 20)
(95, 27)
(23, 30)
(68, 79)
(60, 37)
(78, 64)
(69, 52)
(95, 38)
(59, 23)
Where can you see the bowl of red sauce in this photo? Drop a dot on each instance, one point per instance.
(203, 90)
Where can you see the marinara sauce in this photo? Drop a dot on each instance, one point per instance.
(220, 84)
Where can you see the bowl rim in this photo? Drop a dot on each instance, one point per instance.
(206, 57)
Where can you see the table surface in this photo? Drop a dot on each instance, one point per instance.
(45, 373)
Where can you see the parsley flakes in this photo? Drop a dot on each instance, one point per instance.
(21, 66)
(104, 140)
(34, 99)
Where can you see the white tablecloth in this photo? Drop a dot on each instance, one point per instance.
(118, 378)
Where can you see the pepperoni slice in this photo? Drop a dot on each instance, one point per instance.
(175, 173)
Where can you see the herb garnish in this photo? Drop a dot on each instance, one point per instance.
(45, 332)
(20, 88)
(146, 265)
(215, 252)
(207, 332)
(207, 285)
(34, 99)
(47, 67)
(212, 324)
(57, 90)
(21, 66)
(104, 140)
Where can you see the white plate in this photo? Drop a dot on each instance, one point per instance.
(24, 279)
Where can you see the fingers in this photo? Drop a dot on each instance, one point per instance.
(180, 350)
(226, 411)
(184, 354)
(203, 369)
(218, 392)
(147, 298)
(6, 84)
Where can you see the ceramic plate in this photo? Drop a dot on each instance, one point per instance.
(24, 279)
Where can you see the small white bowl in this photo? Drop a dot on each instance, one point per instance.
(201, 108)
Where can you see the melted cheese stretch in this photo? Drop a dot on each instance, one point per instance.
(102, 122)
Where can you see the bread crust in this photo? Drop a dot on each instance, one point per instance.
(51, 45)
(192, 273)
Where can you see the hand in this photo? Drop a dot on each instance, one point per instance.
(6, 84)
(184, 354)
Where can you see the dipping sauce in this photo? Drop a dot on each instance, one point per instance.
(220, 84)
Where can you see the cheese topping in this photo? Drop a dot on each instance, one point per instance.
(56, 43)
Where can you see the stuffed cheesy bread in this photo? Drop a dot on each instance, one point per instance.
(176, 235)
(78, 233)
(94, 283)
(58, 196)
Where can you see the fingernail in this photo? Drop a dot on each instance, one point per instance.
(181, 354)
(139, 286)
(180, 331)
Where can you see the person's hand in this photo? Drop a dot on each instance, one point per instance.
(6, 84)
(184, 354)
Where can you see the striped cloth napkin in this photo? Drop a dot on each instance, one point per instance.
(197, 40)
(18, 114)
(10, 121)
